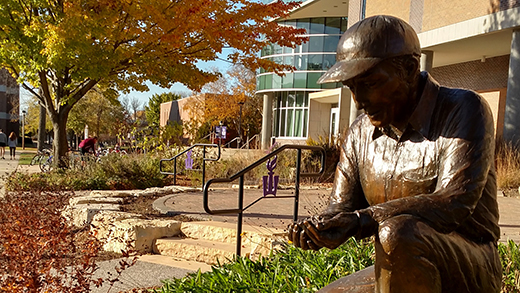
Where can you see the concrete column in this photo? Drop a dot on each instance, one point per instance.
(512, 112)
(267, 121)
(354, 11)
(426, 61)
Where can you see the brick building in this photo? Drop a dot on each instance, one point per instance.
(473, 44)
(9, 101)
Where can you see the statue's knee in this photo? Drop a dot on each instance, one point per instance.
(399, 233)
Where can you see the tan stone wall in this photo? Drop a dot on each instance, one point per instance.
(398, 8)
(439, 13)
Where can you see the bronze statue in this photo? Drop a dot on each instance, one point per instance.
(416, 170)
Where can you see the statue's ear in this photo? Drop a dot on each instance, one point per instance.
(411, 66)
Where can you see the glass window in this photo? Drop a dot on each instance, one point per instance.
(303, 23)
(268, 81)
(315, 62)
(282, 122)
(317, 25)
(316, 44)
(328, 85)
(259, 84)
(300, 62)
(344, 24)
(290, 99)
(283, 104)
(277, 81)
(287, 81)
(298, 122)
(300, 80)
(300, 99)
(312, 78)
(288, 60)
(330, 43)
(278, 59)
(277, 49)
(289, 128)
(287, 50)
(328, 61)
(333, 25)
(305, 118)
(276, 120)
(290, 23)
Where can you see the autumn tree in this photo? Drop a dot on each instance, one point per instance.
(67, 47)
(102, 115)
(232, 100)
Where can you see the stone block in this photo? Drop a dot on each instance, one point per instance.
(139, 234)
(81, 214)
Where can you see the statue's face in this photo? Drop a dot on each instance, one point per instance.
(384, 94)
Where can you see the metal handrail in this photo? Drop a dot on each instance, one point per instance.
(229, 142)
(240, 175)
(256, 136)
(204, 159)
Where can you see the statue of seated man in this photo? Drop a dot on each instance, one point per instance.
(416, 170)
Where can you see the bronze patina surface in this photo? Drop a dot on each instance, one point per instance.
(416, 170)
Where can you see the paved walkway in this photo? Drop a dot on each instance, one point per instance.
(276, 213)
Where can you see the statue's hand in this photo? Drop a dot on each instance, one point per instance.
(332, 232)
(299, 238)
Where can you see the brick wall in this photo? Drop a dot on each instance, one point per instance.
(9, 99)
(475, 75)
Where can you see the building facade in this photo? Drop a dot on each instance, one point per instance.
(9, 101)
(473, 44)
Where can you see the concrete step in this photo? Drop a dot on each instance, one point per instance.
(170, 261)
(258, 240)
(199, 250)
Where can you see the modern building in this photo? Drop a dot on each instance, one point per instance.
(9, 101)
(473, 44)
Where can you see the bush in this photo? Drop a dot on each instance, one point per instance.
(290, 270)
(133, 171)
(508, 165)
(40, 251)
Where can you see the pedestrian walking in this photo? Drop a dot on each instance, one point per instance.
(3, 143)
(13, 141)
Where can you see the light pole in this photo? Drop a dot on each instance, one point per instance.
(23, 129)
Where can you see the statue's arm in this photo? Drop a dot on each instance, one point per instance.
(347, 194)
(466, 157)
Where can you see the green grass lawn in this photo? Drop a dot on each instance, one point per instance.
(26, 156)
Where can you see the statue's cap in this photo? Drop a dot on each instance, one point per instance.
(368, 42)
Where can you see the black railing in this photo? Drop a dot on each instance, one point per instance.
(240, 176)
(204, 159)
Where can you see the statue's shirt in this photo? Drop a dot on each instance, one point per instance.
(440, 168)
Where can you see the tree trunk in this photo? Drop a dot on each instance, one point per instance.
(41, 127)
(60, 144)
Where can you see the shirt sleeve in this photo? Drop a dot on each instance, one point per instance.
(347, 194)
(466, 153)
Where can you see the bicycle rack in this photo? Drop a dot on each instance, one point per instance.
(204, 159)
(240, 175)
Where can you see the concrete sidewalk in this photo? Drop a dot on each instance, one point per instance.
(277, 213)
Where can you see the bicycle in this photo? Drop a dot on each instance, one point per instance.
(39, 156)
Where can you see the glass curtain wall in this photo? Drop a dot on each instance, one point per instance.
(311, 60)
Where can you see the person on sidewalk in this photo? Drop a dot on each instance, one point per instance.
(13, 141)
(416, 170)
(3, 143)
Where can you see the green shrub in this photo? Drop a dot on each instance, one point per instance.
(510, 256)
(134, 171)
(290, 270)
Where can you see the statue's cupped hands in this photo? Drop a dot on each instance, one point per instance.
(324, 231)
